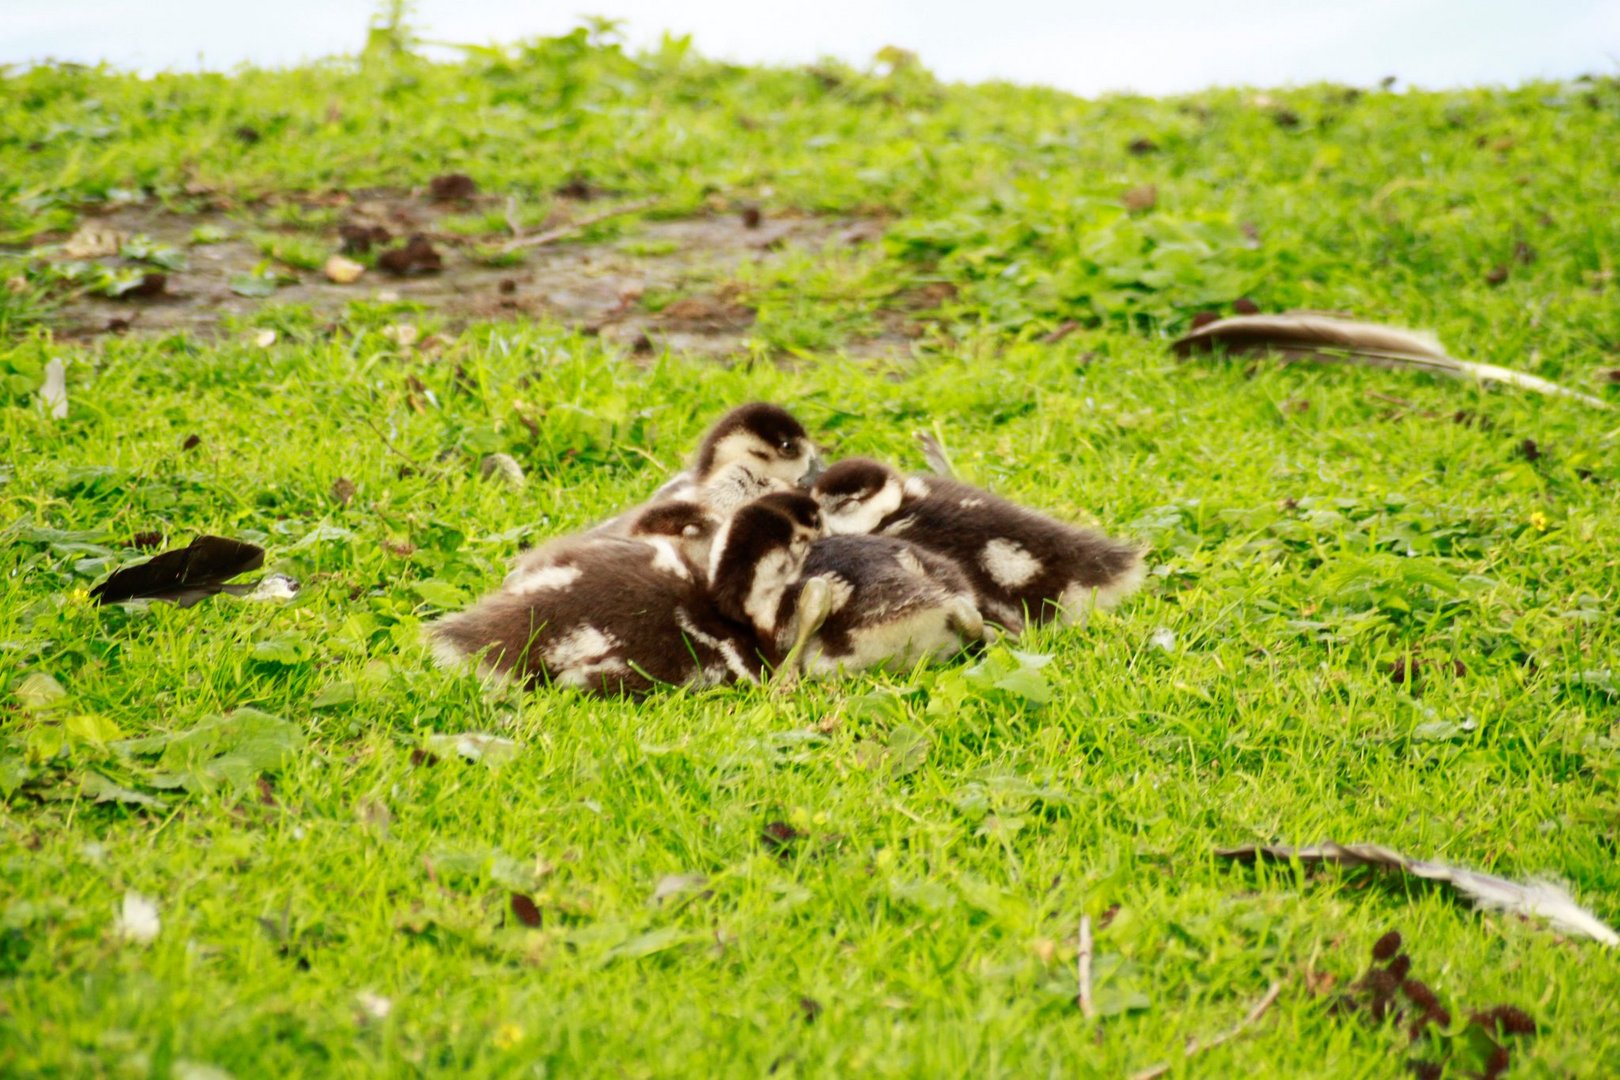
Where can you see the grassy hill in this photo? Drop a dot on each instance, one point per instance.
(1382, 607)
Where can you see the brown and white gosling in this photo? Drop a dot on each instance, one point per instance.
(757, 560)
(821, 604)
(877, 601)
(677, 534)
(1025, 567)
(622, 615)
(750, 451)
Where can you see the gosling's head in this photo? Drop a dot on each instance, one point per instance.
(686, 526)
(763, 439)
(800, 508)
(856, 495)
(759, 553)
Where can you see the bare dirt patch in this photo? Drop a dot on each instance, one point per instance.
(597, 285)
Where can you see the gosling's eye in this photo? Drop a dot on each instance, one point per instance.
(787, 449)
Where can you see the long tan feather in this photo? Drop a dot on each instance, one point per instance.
(1304, 335)
(1541, 899)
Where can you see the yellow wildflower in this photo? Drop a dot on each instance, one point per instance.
(507, 1036)
(1538, 521)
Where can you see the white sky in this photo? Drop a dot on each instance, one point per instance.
(1088, 46)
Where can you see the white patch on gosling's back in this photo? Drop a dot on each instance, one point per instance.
(917, 488)
(969, 504)
(1008, 564)
(576, 658)
(547, 577)
(580, 645)
(715, 674)
(839, 591)
(667, 559)
(583, 675)
(910, 563)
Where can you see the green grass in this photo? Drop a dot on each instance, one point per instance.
(1306, 533)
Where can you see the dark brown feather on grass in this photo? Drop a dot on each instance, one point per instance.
(183, 575)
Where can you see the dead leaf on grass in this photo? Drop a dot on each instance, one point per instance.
(151, 284)
(504, 466)
(779, 838)
(416, 256)
(525, 910)
(1141, 198)
(577, 187)
(94, 242)
(451, 187)
(707, 313)
(358, 238)
(402, 334)
(676, 884)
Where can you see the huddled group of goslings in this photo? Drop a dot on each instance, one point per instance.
(755, 563)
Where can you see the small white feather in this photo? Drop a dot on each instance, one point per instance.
(53, 393)
(138, 919)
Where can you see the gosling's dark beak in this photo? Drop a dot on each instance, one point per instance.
(815, 469)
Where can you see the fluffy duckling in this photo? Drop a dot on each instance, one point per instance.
(608, 616)
(677, 534)
(752, 450)
(757, 441)
(1024, 566)
(623, 615)
(876, 601)
(757, 558)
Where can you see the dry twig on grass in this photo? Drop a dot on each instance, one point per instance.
(1196, 1047)
(572, 228)
(1088, 1007)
